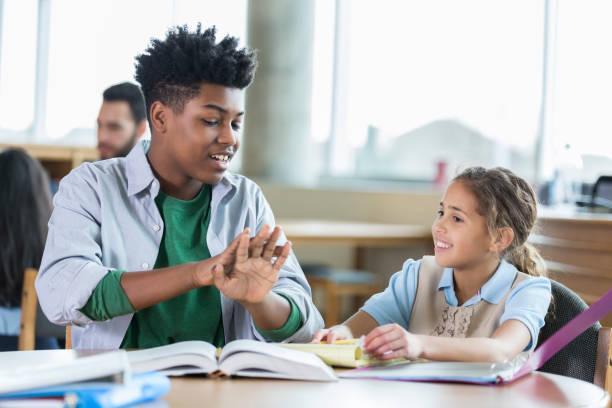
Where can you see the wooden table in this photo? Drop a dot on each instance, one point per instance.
(536, 390)
(356, 234)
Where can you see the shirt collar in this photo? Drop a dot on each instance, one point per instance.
(140, 175)
(493, 290)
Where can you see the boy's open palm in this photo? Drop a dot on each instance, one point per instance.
(244, 271)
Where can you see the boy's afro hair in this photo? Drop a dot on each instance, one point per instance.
(172, 70)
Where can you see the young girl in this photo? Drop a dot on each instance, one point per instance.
(482, 298)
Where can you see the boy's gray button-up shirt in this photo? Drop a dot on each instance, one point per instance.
(105, 217)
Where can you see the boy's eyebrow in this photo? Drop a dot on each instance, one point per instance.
(220, 109)
(454, 208)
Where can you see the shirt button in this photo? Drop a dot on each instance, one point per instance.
(145, 266)
(156, 228)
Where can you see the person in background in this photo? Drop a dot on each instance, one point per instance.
(121, 120)
(25, 208)
(166, 245)
(484, 295)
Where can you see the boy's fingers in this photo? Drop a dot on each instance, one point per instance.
(218, 276)
(278, 250)
(280, 261)
(242, 252)
(257, 243)
(268, 250)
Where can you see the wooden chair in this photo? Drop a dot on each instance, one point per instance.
(69, 337)
(29, 304)
(603, 369)
(337, 283)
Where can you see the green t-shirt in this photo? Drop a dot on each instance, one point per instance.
(195, 315)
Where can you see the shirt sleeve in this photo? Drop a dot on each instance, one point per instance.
(71, 266)
(394, 304)
(528, 303)
(292, 325)
(108, 299)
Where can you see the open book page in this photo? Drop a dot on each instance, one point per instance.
(25, 370)
(442, 371)
(186, 357)
(251, 358)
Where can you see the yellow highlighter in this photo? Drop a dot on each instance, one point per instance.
(345, 341)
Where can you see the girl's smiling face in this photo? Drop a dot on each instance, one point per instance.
(461, 237)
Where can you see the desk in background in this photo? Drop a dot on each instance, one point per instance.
(577, 248)
(535, 390)
(356, 234)
(58, 160)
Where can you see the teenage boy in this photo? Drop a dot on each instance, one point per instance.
(154, 248)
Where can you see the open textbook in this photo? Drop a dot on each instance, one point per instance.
(247, 358)
(488, 373)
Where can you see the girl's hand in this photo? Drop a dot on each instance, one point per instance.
(392, 341)
(332, 334)
(244, 271)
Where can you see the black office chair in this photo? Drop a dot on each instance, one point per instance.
(601, 195)
(578, 358)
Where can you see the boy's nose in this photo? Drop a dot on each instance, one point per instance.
(227, 136)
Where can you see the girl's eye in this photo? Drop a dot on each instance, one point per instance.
(236, 126)
(457, 219)
(210, 122)
(440, 213)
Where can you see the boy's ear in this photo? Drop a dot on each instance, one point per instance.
(503, 239)
(159, 117)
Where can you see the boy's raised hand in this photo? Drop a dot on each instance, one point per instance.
(244, 271)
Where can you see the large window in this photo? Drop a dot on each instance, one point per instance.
(419, 86)
(87, 46)
(18, 24)
(582, 101)
(419, 83)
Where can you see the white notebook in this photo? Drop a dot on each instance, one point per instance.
(25, 370)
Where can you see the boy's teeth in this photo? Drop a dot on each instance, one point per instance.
(220, 157)
(442, 245)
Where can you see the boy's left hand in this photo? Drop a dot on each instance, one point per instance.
(392, 341)
(244, 271)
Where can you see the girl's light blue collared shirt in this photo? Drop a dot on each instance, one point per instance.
(528, 302)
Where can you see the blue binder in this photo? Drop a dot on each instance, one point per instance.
(139, 388)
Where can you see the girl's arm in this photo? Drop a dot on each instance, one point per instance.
(391, 341)
(356, 326)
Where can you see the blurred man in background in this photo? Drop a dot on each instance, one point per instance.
(121, 121)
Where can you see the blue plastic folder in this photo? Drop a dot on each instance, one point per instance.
(138, 388)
